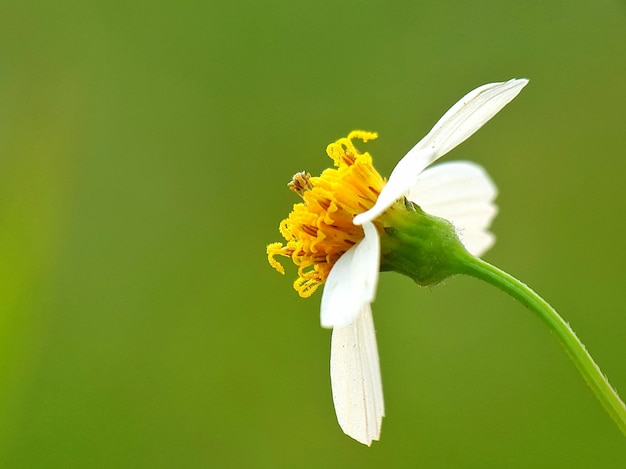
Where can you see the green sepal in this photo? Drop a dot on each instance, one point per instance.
(418, 245)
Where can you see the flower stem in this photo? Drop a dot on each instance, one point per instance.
(592, 374)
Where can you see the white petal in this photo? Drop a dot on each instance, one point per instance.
(459, 123)
(462, 193)
(401, 179)
(351, 283)
(355, 378)
(469, 114)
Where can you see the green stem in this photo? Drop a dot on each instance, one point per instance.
(592, 374)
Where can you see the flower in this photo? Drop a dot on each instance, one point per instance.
(336, 235)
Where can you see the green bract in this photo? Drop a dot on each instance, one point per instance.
(423, 247)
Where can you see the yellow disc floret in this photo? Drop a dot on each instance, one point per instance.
(320, 229)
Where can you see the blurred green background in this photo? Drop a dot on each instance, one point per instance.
(145, 149)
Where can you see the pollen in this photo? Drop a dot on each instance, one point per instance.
(319, 229)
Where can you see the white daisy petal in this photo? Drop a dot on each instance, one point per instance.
(401, 179)
(462, 193)
(351, 283)
(355, 378)
(455, 126)
(469, 114)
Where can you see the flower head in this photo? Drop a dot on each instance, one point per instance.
(319, 230)
(351, 224)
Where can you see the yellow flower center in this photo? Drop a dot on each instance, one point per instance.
(320, 229)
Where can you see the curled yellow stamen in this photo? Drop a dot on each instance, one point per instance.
(320, 229)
